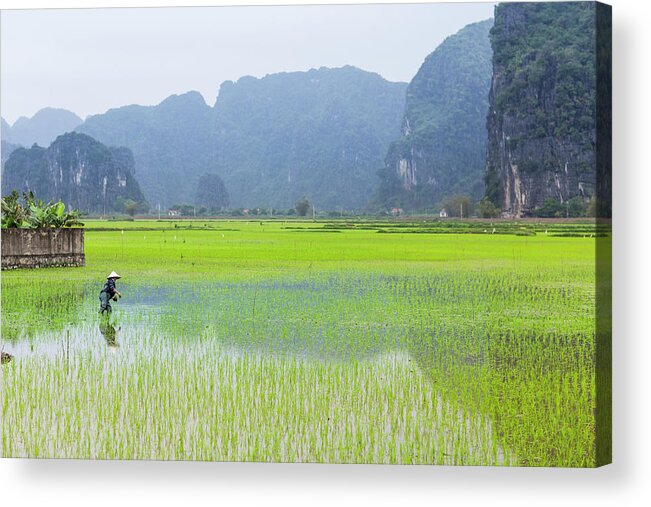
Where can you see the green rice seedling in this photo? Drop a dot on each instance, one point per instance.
(258, 341)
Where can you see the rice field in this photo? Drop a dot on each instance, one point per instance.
(334, 341)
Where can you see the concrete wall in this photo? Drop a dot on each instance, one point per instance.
(40, 248)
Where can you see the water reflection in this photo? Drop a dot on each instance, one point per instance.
(32, 308)
(109, 332)
(345, 321)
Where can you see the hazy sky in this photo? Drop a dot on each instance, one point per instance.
(90, 60)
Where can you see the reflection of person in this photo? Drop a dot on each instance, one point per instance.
(109, 332)
(109, 292)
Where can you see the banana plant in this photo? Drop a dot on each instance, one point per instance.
(35, 214)
(13, 213)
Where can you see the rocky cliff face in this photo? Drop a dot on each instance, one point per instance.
(541, 120)
(171, 142)
(5, 130)
(6, 146)
(321, 133)
(6, 149)
(80, 171)
(442, 149)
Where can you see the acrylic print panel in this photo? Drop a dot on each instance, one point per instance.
(308, 236)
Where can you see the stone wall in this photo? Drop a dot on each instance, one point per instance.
(40, 248)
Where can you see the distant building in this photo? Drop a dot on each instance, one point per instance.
(396, 211)
(173, 212)
(443, 213)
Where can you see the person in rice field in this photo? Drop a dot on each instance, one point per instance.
(109, 292)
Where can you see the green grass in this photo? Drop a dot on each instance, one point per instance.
(284, 341)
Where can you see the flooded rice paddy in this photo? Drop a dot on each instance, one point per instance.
(247, 341)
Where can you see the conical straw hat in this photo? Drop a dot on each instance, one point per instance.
(113, 275)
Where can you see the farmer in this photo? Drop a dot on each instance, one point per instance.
(109, 292)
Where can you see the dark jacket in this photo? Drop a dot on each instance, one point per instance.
(109, 287)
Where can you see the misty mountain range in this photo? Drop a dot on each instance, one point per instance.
(42, 128)
(321, 133)
(349, 139)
